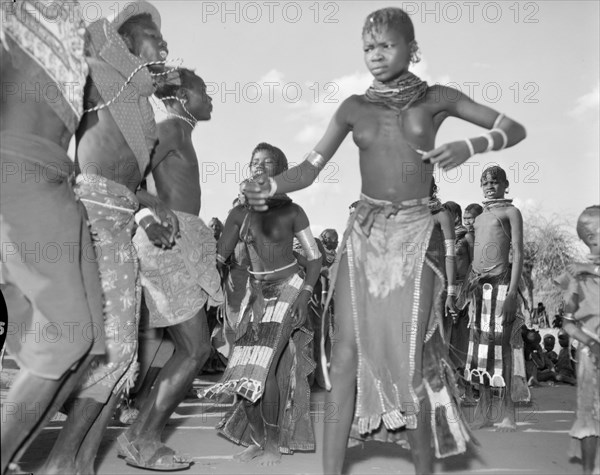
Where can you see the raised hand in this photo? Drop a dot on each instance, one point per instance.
(257, 192)
(449, 155)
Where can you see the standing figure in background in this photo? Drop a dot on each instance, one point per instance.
(581, 285)
(495, 355)
(459, 334)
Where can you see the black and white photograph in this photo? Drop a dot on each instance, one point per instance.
(299, 237)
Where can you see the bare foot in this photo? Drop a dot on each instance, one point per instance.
(248, 454)
(507, 425)
(269, 458)
(63, 466)
(481, 423)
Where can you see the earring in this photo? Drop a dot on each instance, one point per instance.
(415, 52)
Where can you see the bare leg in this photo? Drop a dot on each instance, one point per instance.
(420, 441)
(253, 413)
(589, 447)
(29, 406)
(62, 458)
(269, 405)
(344, 360)
(89, 447)
(482, 411)
(192, 348)
(508, 423)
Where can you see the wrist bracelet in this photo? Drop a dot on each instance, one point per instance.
(470, 146)
(143, 213)
(504, 137)
(452, 290)
(498, 120)
(272, 187)
(220, 259)
(490, 142)
(310, 288)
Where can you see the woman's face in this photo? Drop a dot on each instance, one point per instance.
(263, 162)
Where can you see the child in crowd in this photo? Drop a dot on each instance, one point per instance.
(582, 322)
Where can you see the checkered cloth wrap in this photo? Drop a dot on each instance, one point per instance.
(265, 311)
(484, 363)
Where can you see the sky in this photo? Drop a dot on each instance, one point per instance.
(278, 70)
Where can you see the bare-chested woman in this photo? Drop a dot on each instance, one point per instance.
(385, 282)
(180, 280)
(114, 142)
(271, 361)
(41, 49)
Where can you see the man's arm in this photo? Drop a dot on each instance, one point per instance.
(230, 235)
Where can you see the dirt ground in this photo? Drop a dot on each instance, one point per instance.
(539, 446)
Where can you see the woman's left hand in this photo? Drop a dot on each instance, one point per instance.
(449, 155)
(509, 309)
(300, 309)
(451, 307)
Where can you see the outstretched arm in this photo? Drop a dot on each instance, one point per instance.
(503, 131)
(302, 175)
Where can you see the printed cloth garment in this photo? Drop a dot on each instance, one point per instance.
(395, 284)
(111, 208)
(178, 282)
(47, 38)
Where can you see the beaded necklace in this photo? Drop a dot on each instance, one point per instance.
(398, 95)
(497, 203)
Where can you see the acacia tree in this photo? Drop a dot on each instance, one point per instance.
(549, 245)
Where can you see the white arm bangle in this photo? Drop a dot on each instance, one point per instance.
(316, 160)
(498, 120)
(490, 141)
(452, 290)
(503, 135)
(272, 187)
(143, 213)
(470, 146)
(308, 243)
(450, 248)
